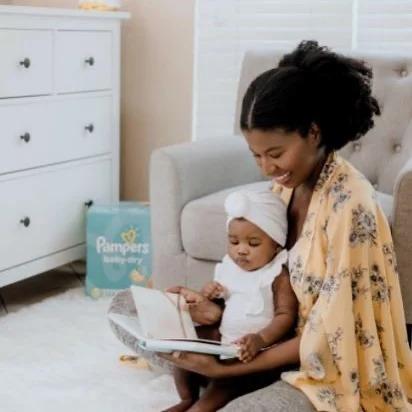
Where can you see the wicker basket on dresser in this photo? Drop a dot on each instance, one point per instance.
(59, 125)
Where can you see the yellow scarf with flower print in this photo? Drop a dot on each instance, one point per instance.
(354, 351)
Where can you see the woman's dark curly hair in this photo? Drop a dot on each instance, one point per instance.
(313, 85)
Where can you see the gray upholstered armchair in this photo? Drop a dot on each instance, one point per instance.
(188, 182)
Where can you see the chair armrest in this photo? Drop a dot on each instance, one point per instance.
(402, 232)
(402, 208)
(184, 172)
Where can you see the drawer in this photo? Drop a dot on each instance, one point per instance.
(83, 61)
(54, 131)
(54, 204)
(26, 62)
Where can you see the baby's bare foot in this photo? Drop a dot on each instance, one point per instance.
(183, 406)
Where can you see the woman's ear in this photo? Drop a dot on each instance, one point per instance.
(315, 134)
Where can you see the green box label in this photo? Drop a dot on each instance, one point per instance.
(118, 248)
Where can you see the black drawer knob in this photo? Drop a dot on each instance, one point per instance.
(90, 128)
(25, 221)
(25, 63)
(89, 203)
(90, 61)
(26, 137)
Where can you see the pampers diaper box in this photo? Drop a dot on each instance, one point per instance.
(118, 248)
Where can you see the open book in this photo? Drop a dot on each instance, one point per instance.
(164, 325)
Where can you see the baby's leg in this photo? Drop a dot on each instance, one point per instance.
(188, 383)
(210, 332)
(207, 312)
(215, 396)
(221, 391)
(187, 386)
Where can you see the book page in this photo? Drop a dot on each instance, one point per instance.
(225, 351)
(131, 325)
(161, 314)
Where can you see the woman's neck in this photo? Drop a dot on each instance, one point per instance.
(310, 183)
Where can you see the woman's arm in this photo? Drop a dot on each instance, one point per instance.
(286, 353)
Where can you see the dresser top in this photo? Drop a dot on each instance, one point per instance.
(60, 12)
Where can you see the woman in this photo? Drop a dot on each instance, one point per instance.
(351, 341)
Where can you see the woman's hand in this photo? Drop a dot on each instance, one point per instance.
(206, 365)
(249, 346)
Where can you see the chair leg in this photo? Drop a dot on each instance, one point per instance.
(409, 331)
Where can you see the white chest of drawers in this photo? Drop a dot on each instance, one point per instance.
(59, 132)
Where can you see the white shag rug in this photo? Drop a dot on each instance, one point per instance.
(60, 355)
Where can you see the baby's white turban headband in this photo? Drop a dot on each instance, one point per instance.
(263, 208)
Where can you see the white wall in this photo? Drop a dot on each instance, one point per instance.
(157, 66)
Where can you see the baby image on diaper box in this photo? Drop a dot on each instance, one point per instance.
(118, 248)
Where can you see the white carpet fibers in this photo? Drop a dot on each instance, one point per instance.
(60, 355)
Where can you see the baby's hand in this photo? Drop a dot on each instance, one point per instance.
(213, 290)
(191, 297)
(249, 346)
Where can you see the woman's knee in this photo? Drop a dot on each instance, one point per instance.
(278, 397)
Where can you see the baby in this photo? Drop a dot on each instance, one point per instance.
(260, 306)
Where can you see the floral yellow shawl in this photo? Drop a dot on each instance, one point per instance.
(354, 351)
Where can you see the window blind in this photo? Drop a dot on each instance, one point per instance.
(225, 29)
(385, 25)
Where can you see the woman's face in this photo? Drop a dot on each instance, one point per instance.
(287, 157)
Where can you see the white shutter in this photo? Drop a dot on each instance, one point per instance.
(225, 29)
(385, 25)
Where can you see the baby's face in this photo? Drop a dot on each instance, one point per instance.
(249, 246)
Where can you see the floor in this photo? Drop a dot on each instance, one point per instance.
(39, 287)
(64, 365)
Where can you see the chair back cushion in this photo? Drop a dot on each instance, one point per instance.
(203, 222)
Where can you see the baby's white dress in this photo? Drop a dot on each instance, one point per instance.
(249, 299)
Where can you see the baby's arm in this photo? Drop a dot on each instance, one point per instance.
(217, 288)
(201, 309)
(214, 290)
(286, 309)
